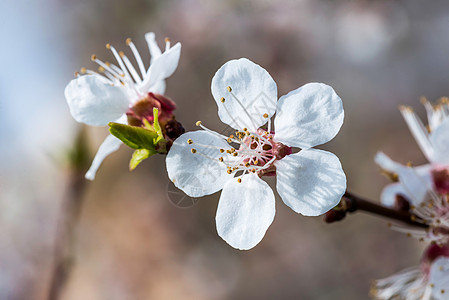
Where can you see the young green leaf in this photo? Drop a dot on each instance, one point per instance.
(138, 156)
(134, 137)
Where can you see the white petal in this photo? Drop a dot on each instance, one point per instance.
(440, 141)
(389, 193)
(418, 131)
(308, 116)
(439, 277)
(155, 51)
(416, 182)
(94, 101)
(310, 182)
(253, 94)
(245, 211)
(201, 173)
(161, 68)
(109, 145)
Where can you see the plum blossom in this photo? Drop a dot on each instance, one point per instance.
(310, 181)
(425, 187)
(429, 281)
(416, 183)
(120, 94)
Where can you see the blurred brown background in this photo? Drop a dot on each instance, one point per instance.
(132, 242)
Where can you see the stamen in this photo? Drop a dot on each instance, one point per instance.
(189, 141)
(193, 150)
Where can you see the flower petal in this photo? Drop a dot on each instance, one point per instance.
(308, 116)
(389, 193)
(310, 182)
(245, 211)
(161, 68)
(419, 132)
(439, 277)
(94, 101)
(440, 142)
(155, 51)
(253, 93)
(416, 182)
(201, 173)
(109, 145)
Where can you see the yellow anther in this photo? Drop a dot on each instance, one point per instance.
(432, 285)
(198, 123)
(222, 150)
(83, 70)
(253, 170)
(108, 46)
(409, 234)
(189, 141)
(128, 41)
(228, 151)
(167, 40)
(107, 63)
(193, 150)
(229, 89)
(93, 57)
(231, 136)
(100, 69)
(77, 74)
(220, 159)
(265, 116)
(235, 153)
(247, 164)
(245, 129)
(229, 140)
(256, 162)
(222, 100)
(121, 53)
(239, 180)
(229, 171)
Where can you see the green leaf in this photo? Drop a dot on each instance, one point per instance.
(139, 156)
(134, 137)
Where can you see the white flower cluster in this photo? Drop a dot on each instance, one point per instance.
(426, 188)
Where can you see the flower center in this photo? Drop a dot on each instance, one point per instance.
(249, 152)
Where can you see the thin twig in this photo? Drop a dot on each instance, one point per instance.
(351, 203)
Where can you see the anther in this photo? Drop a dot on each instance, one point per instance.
(265, 116)
(229, 89)
(222, 150)
(245, 129)
(83, 70)
(235, 154)
(220, 159)
(93, 57)
(121, 53)
(239, 180)
(100, 69)
(198, 123)
(167, 40)
(193, 150)
(108, 46)
(229, 171)
(247, 164)
(128, 41)
(222, 100)
(77, 74)
(189, 141)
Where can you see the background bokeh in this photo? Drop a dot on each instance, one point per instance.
(132, 242)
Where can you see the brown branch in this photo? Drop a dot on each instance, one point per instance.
(351, 203)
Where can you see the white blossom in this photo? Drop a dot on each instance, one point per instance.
(97, 98)
(310, 181)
